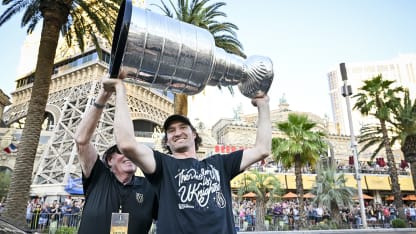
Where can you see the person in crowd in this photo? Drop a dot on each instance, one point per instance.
(357, 215)
(43, 217)
(35, 216)
(110, 185)
(386, 215)
(412, 212)
(29, 208)
(242, 215)
(75, 212)
(311, 214)
(66, 210)
(291, 218)
(53, 225)
(327, 214)
(277, 213)
(249, 218)
(194, 194)
(55, 211)
(319, 214)
(393, 212)
(235, 213)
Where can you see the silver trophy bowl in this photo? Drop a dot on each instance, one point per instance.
(163, 53)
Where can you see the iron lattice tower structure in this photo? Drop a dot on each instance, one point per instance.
(71, 93)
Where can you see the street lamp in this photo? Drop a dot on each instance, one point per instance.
(347, 92)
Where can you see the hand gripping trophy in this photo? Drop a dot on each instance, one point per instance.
(163, 53)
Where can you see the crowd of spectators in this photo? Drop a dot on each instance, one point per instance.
(366, 167)
(379, 166)
(284, 215)
(41, 215)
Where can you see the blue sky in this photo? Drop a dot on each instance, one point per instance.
(304, 39)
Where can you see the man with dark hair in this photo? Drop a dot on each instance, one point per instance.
(194, 194)
(110, 185)
(183, 119)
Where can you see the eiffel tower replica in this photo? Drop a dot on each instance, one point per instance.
(74, 86)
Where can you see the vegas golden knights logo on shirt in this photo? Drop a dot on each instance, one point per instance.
(139, 198)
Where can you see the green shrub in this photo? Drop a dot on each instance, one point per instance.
(398, 223)
(314, 227)
(66, 230)
(285, 227)
(324, 225)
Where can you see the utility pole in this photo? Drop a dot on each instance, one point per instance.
(347, 92)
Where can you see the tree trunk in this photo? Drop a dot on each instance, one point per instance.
(18, 195)
(335, 214)
(392, 171)
(299, 190)
(409, 152)
(181, 104)
(260, 215)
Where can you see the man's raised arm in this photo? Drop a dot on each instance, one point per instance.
(263, 144)
(139, 153)
(86, 128)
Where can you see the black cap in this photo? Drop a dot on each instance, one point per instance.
(176, 118)
(110, 151)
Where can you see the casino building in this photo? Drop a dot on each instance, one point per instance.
(239, 132)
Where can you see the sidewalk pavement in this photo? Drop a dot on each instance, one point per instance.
(6, 228)
(343, 231)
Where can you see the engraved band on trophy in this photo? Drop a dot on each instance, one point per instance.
(163, 53)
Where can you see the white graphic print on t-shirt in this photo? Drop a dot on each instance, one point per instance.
(199, 187)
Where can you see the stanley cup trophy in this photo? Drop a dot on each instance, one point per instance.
(159, 52)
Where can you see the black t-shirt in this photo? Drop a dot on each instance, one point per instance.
(195, 196)
(103, 195)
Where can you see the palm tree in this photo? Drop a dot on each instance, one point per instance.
(301, 146)
(330, 191)
(200, 14)
(402, 128)
(79, 21)
(405, 122)
(266, 187)
(377, 98)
